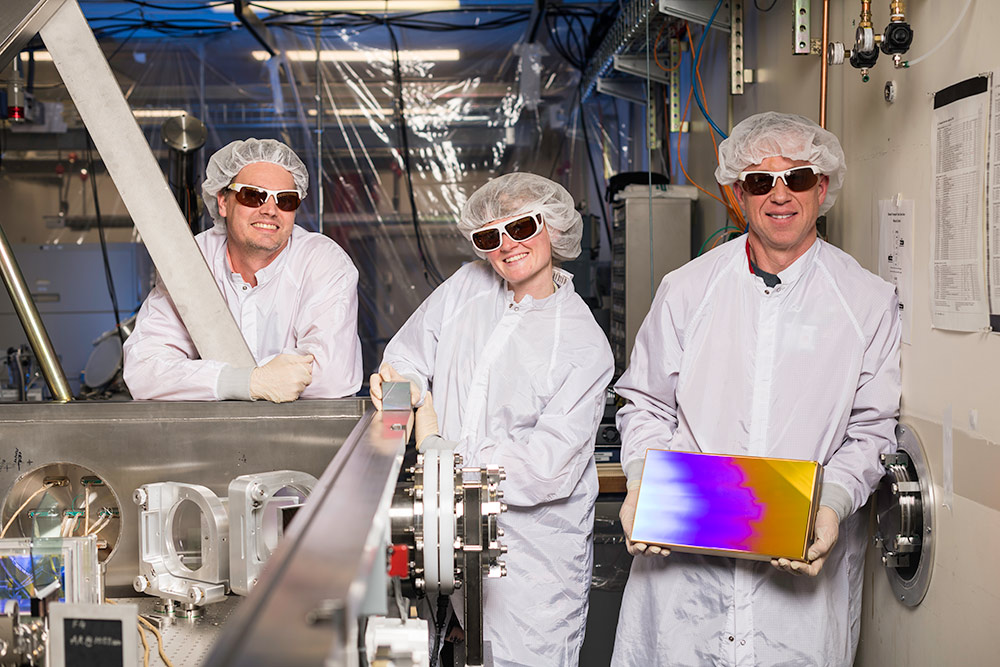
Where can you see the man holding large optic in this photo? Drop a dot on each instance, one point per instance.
(293, 293)
(775, 344)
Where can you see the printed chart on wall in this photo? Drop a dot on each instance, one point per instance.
(961, 127)
(993, 209)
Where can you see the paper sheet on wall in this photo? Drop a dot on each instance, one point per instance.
(958, 157)
(993, 211)
(895, 259)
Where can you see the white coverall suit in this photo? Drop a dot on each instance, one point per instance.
(808, 369)
(305, 302)
(521, 385)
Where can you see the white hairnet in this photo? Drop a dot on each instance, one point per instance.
(230, 159)
(795, 137)
(514, 194)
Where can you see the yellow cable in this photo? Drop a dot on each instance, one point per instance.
(86, 508)
(159, 641)
(145, 645)
(6, 527)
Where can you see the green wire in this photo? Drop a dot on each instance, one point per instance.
(716, 233)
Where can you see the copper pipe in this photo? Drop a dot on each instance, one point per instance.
(31, 321)
(824, 68)
(897, 11)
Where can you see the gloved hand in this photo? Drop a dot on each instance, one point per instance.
(827, 532)
(426, 421)
(282, 379)
(627, 516)
(387, 373)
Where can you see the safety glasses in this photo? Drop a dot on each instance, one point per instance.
(797, 179)
(488, 239)
(254, 197)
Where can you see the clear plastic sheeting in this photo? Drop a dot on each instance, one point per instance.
(402, 123)
(398, 117)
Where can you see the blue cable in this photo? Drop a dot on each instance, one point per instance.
(694, 65)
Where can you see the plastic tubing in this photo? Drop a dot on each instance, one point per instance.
(911, 63)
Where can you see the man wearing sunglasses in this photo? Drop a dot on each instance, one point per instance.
(775, 344)
(519, 370)
(293, 293)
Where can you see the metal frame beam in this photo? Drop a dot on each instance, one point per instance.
(637, 65)
(736, 47)
(696, 11)
(143, 189)
(631, 91)
(21, 20)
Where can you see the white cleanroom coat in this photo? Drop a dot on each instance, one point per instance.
(521, 385)
(305, 302)
(808, 369)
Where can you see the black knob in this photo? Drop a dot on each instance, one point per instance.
(897, 38)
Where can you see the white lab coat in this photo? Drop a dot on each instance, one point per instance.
(305, 301)
(521, 385)
(808, 369)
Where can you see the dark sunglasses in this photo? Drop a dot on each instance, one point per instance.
(488, 239)
(797, 179)
(254, 197)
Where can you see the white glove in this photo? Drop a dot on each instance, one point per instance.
(387, 373)
(627, 516)
(282, 379)
(426, 421)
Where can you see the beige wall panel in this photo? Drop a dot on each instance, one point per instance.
(888, 151)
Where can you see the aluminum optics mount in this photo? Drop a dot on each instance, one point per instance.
(444, 518)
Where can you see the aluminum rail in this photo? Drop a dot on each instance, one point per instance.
(13, 280)
(140, 182)
(19, 21)
(304, 611)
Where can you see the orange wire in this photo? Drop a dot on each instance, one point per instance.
(727, 192)
(656, 55)
(680, 160)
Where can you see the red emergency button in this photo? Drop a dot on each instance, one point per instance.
(399, 561)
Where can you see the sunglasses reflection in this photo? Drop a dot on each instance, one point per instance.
(490, 238)
(255, 197)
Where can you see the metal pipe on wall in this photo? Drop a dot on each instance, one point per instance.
(824, 69)
(13, 280)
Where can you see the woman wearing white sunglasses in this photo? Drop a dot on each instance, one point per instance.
(519, 370)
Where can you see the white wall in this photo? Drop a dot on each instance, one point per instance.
(888, 151)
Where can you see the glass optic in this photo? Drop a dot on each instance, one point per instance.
(252, 197)
(799, 179)
(490, 238)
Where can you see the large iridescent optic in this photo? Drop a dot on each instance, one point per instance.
(737, 505)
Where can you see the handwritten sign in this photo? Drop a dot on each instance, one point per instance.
(94, 642)
(93, 635)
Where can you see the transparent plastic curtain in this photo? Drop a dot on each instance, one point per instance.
(469, 116)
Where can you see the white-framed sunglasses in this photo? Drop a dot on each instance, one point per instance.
(796, 179)
(254, 196)
(490, 237)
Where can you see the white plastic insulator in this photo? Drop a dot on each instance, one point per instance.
(139, 497)
(140, 584)
(835, 53)
(864, 39)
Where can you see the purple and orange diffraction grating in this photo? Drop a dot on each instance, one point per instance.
(735, 505)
